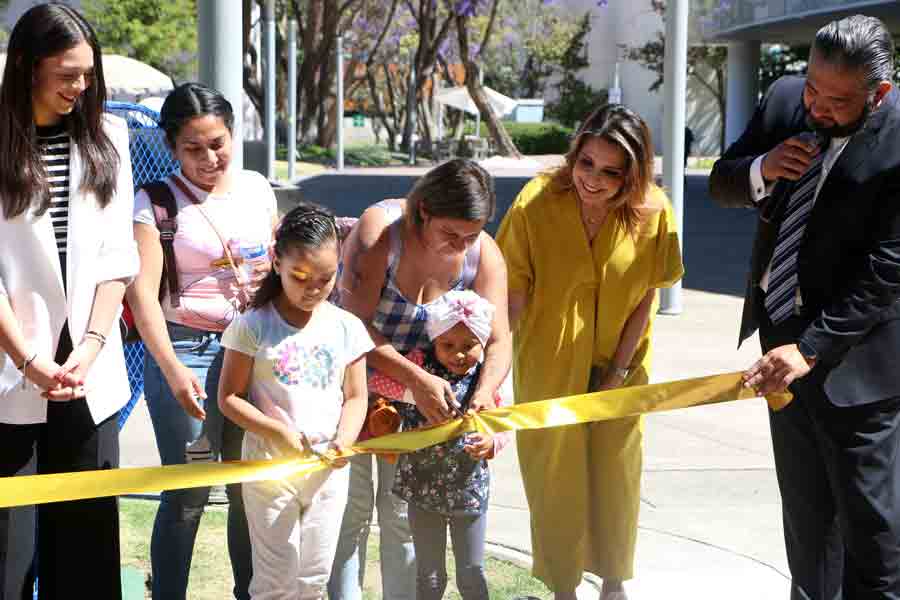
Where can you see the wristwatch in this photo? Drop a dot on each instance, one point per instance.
(807, 351)
(620, 372)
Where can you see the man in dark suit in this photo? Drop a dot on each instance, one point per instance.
(820, 161)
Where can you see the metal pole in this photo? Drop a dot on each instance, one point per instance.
(339, 75)
(411, 107)
(219, 25)
(674, 95)
(269, 39)
(292, 99)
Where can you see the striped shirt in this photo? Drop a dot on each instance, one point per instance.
(54, 146)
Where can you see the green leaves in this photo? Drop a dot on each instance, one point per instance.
(162, 34)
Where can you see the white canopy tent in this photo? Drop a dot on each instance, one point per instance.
(131, 80)
(459, 98)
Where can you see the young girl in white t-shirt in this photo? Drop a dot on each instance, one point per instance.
(295, 366)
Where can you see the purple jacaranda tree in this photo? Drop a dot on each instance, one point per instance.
(319, 22)
(470, 55)
(432, 24)
(531, 41)
(383, 39)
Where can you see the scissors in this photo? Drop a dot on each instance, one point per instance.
(307, 445)
(453, 405)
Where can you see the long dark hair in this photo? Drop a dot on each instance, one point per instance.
(306, 226)
(47, 30)
(191, 100)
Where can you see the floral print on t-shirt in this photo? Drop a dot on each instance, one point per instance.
(295, 364)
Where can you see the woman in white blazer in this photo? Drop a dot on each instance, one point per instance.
(67, 255)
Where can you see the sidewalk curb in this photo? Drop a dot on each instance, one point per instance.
(522, 559)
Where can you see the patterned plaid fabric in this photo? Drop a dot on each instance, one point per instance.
(403, 322)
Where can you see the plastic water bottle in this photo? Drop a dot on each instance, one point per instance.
(250, 253)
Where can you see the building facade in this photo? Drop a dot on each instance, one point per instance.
(747, 24)
(622, 24)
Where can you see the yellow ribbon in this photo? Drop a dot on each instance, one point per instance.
(571, 410)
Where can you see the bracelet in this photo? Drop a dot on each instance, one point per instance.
(24, 367)
(93, 335)
(621, 372)
(27, 362)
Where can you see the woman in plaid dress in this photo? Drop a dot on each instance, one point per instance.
(401, 257)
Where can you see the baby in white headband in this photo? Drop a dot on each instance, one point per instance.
(459, 325)
(450, 479)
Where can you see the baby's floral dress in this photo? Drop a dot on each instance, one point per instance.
(443, 478)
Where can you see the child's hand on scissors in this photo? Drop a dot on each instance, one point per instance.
(287, 442)
(335, 453)
(479, 445)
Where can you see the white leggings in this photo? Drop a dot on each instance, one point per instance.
(294, 525)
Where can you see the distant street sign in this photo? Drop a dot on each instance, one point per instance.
(359, 121)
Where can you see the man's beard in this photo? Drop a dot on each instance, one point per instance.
(841, 131)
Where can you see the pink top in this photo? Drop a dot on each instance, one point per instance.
(244, 216)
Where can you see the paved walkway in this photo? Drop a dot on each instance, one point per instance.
(710, 525)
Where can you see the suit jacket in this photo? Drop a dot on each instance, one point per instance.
(100, 248)
(848, 263)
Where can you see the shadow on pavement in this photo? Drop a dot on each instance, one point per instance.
(717, 241)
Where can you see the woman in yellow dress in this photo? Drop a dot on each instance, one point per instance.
(586, 246)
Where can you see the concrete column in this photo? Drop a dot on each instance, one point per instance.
(742, 87)
(219, 31)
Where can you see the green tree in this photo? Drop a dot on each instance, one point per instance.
(778, 60)
(471, 55)
(161, 34)
(531, 41)
(576, 98)
(318, 24)
(702, 60)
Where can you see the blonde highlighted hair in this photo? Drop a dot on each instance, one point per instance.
(622, 127)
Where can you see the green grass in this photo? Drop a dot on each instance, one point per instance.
(211, 572)
(505, 580)
(210, 568)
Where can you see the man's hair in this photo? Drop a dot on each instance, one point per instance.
(860, 43)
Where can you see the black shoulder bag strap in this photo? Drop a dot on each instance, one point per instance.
(161, 196)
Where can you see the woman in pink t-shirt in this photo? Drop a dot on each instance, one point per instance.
(218, 206)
